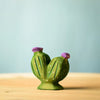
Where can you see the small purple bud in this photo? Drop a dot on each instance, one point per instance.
(65, 55)
(35, 49)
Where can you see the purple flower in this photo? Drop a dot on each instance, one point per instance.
(35, 49)
(65, 55)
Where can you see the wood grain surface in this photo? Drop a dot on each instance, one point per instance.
(78, 86)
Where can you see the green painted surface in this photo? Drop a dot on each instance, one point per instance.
(49, 73)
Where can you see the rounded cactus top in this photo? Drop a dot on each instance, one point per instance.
(65, 55)
(35, 49)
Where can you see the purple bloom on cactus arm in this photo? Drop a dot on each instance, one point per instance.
(65, 55)
(35, 49)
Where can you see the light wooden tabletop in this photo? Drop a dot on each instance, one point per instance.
(78, 86)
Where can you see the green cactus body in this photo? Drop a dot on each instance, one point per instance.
(49, 72)
(57, 69)
(39, 64)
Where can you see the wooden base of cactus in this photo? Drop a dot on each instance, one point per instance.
(50, 86)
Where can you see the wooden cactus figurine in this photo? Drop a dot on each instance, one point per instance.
(49, 72)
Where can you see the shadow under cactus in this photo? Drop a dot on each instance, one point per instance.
(79, 88)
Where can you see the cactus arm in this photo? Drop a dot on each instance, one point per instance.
(50, 67)
(64, 70)
(54, 69)
(38, 65)
(35, 67)
(42, 63)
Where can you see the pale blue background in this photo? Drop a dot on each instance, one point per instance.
(57, 25)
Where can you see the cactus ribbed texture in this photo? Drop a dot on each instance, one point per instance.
(49, 72)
